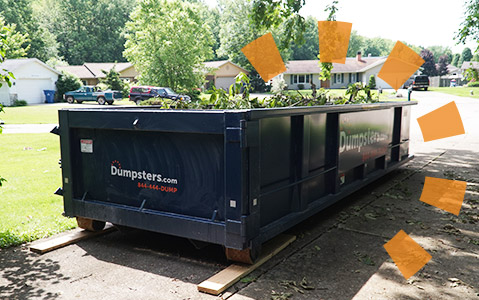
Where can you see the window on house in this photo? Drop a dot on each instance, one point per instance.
(291, 79)
(339, 78)
(303, 78)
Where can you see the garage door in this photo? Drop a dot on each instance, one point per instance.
(31, 90)
(224, 82)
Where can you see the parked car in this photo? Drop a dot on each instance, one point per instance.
(140, 93)
(417, 82)
(92, 93)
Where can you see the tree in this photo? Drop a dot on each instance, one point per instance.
(211, 17)
(113, 81)
(268, 14)
(5, 75)
(469, 28)
(167, 42)
(90, 30)
(356, 44)
(372, 82)
(466, 54)
(236, 30)
(455, 59)
(13, 43)
(377, 46)
(66, 82)
(438, 51)
(442, 65)
(310, 48)
(20, 13)
(429, 66)
(475, 57)
(471, 74)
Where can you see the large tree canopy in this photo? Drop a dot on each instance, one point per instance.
(469, 29)
(429, 66)
(13, 44)
(91, 30)
(167, 41)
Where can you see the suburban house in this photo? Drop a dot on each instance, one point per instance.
(32, 77)
(300, 73)
(91, 73)
(469, 64)
(454, 77)
(221, 73)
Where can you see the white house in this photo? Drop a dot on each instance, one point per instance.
(32, 77)
(300, 73)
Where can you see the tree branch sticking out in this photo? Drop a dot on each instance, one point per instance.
(326, 68)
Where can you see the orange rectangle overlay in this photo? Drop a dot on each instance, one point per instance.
(441, 123)
(263, 54)
(445, 194)
(408, 255)
(401, 63)
(333, 41)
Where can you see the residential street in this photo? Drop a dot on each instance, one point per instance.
(339, 253)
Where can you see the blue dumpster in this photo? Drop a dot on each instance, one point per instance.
(49, 95)
(231, 177)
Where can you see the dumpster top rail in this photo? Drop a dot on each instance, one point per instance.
(259, 113)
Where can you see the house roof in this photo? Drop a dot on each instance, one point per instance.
(468, 64)
(352, 65)
(13, 64)
(79, 71)
(452, 69)
(218, 64)
(93, 70)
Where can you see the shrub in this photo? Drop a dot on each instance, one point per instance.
(113, 81)
(278, 86)
(193, 93)
(20, 103)
(300, 86)
(473, 84)
(372, 82)
(66, 82)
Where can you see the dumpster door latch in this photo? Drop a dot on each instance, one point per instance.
(236, 135)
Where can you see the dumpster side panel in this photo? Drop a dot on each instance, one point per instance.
(275, 167)
(162, 171)
(364, 139)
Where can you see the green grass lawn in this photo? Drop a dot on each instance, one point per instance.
(28, 208)
(457, 91)
(44, 113)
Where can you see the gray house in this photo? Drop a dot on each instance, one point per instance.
(300, 73)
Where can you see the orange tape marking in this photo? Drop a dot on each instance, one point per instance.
(441, 123)
(445, 194)
(263, 54)
(401, 63)
(333, 41)
(408, 256)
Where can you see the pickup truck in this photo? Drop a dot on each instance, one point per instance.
(417, 82)
(91, 93)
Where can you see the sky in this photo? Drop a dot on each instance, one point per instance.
(419, 22)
